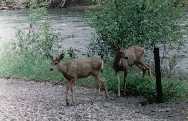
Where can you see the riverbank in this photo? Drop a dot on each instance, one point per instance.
(78, 7)
(20, 4)
(84, 7)
(11, 7)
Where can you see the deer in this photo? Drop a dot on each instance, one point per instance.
(126, 58)
(79, 68)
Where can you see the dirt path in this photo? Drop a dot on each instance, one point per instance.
(40, 101)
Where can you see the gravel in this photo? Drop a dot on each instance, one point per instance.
(43, 101)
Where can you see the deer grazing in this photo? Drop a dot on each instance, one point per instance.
(79, 68)
(128, 57)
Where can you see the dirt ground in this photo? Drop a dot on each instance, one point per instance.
(44, 101)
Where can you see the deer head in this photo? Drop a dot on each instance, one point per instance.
(121, 53)
(56, 60)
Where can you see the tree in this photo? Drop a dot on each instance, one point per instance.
(147, 23)
(143, 22)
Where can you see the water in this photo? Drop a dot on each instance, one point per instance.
(73, 31)
(69, 24)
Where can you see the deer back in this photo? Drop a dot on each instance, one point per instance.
(135, 54)
(79, 68)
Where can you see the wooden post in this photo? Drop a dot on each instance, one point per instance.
(158, 74)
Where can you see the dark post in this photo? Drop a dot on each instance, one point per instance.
(158, 74)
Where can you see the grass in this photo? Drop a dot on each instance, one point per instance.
(38, 68)
(139, 86)
(27, 67)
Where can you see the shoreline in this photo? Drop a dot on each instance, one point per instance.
(11, 7)
(15, 6)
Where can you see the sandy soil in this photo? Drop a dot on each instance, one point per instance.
(44, 101)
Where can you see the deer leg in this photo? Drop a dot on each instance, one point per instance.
(141, 67)
(143, 72)
(73, 91)
(99, 87)
(149, 69)
(98, 83)
(119, 94)
(96, 76)
(66, 92)
(125, 84)
(105, 89)
(101, 84)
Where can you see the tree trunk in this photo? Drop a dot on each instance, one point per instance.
(158, 75)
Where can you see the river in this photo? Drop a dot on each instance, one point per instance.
(68, 24)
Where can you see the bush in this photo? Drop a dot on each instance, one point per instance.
(36, 3)
(39, 39)
(28, 54)
(138, 86)
(140, 22)
(27, 67)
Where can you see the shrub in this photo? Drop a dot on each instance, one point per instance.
(140, 22)
(39, 39)
(28, 54)
(138, 86)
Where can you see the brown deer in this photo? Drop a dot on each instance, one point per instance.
(128, 57)
(79, 68)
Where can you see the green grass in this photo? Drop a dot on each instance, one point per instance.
(38, 68)
(139, 86)
(29, 68)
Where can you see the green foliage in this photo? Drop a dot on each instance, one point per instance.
(28, 52)
(140, 22)
(94, 1)
(39, 39)
(27, 67)
(38, 68)
(7, 2)
(138, 86)
(36, 3)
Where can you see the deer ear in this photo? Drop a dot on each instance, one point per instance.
(62, 55)
(118, 47)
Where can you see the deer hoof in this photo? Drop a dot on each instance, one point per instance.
(110, 98)
(124, 92)
(119, 94)
(67, 103)
(73, 103)
(107, 96)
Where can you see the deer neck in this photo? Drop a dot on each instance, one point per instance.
(61, 67)
(117, 59)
